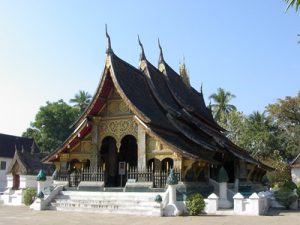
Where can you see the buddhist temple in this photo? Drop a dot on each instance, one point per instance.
(144, 121)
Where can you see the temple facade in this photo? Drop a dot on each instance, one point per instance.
(144, 121)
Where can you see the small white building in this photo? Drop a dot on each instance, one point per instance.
(21, 174)
(295, 169)
(8, 145)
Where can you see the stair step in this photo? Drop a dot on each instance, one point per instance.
(103, 204)
(149, 212)
(134, 203)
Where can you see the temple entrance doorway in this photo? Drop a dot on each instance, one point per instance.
(128, 154)
(16, 181)
(167, 164)
(229, 167)
(109, 161)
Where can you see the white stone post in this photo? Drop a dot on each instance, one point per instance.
(223, 201)
(238, 207)
(212, 206)
(40, 186)
(223, 190)
(172, 194)
(254, 200)
(172, 209)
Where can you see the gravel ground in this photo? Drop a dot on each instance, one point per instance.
(13, 215)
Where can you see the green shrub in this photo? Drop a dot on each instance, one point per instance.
(290, 185)
(285, 196)
(195, 204)
(29, 196)
(298, 190)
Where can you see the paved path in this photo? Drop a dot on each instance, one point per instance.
(21, 215)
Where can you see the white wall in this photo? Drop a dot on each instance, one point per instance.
(3, 180)
(295, 175)
(15, 197)
(27, 181)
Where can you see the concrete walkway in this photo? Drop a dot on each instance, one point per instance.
(22, 215)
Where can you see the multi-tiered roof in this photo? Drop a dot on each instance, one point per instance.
(168, 108)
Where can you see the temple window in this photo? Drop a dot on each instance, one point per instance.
(3, 165)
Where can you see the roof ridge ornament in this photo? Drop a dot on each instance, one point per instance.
(161, 55)
(142, 56)
(109, 49)
(201, 88)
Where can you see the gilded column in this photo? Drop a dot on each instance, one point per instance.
(141, 148)
(94, 150)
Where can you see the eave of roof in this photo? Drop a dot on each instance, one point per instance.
(99, 97)
(188, 98)
(71, 141)
(173, 111)
(170, 139)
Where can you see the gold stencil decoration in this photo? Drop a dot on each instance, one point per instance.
(123, 107)
(117, 128)
(87, 146)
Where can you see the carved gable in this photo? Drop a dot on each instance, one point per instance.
(115, 106)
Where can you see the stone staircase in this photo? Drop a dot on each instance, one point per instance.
(133, 203)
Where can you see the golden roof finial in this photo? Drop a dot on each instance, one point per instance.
(161, 55)
(142, 56)
(108, 50)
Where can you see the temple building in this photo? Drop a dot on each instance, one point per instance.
(20, 160)
(144, 121)
(9, 145)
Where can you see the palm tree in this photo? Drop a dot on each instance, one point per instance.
(257, 118)
(81, 100)
(220, 105)
(291, 3)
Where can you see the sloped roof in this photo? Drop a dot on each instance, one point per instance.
(188, 98)
(30, 163)
(170, 110)
(9, 143)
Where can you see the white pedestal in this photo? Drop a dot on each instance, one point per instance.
(223, 201)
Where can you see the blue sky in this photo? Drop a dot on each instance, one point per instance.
(51, 49)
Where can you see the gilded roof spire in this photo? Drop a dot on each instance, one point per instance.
(109, 49)
(161, 56)
(184, 74)
(142, 56)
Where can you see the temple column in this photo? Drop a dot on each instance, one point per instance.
(243, 171)
(141, 148)
(95, 151)
(177, 162)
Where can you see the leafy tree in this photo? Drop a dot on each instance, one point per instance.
(285, 114)
(253, 133)
(282, 172)
(258, 134)
(221, 104)
(234, 122)
(81, 100)
(51, 125)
